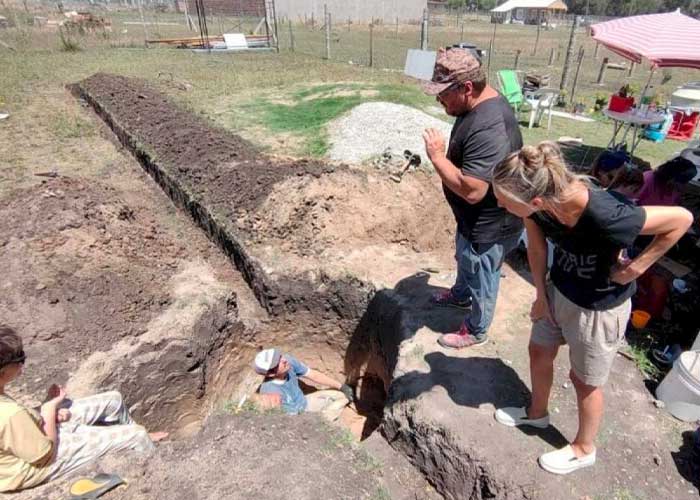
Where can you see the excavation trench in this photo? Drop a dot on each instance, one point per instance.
(344, 325)
(320, 321)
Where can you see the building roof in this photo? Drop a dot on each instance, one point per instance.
(531, 4)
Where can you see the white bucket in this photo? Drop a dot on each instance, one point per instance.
(680, 389)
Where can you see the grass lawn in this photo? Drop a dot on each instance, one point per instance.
(280, 101)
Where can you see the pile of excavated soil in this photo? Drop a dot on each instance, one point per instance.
(370, 128)
(307, 216)
(288, 210)
(236, 175)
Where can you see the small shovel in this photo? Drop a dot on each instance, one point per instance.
(411, 160)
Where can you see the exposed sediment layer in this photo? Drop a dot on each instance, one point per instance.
(214, 175)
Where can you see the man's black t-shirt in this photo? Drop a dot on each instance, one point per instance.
(585, 254)
(480, 140)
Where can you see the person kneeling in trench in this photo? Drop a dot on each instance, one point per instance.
(36, 447)
(280, 389)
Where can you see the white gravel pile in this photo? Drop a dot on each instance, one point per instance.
(370, 128)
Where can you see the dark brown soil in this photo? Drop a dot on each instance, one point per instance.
(236, 175)
(83, 269)
(66, 228)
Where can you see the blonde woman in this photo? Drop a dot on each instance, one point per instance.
(586, 303)
(63, 435)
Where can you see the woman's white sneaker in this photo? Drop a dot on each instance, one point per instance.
(565, 461)
(514, 417)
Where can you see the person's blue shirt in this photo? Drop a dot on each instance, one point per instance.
(293, 400)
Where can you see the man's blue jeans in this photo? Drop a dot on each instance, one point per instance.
(478, 277)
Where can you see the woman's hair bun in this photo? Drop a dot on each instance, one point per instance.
(531, 156)
(535, 157)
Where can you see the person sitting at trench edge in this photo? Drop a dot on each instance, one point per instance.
(280, 389)
(36, 447)
(587, 304)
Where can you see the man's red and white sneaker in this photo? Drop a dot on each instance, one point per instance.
(461, 338)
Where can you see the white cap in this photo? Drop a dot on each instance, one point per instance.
(266, 360)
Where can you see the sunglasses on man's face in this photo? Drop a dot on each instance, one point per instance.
(446, 91)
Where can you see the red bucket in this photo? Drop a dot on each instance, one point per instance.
(620, 104)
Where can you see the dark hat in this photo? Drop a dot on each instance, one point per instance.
(451, 66)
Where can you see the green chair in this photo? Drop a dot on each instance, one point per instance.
(510, 87)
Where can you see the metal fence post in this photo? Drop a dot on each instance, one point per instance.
(327, 22)
(424, 31)
(595, 52)
(631, 71)
(491, 42)
(517, 59)
(552, 54)
(143, 22)
(537, 38)
(371, 44)
(291, 36)
(397, 26)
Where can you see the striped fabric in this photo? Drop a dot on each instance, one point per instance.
(665, 40)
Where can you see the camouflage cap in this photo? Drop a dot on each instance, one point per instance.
(451, 66)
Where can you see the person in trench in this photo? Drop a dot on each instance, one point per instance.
(586, 302)
(280, 389)
(65, 435)
(484, 132)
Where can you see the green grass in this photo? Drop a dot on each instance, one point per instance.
(640, 356)
(70, 127)
(381, 494)
(265, 94)
(312, 108)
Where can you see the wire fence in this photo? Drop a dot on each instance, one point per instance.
(383, 44)
(526, 48)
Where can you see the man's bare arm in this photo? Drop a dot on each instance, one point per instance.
(471, 189)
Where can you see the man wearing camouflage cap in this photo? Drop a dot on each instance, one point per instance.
(484, 133)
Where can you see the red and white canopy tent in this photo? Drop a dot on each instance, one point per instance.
(669, 40)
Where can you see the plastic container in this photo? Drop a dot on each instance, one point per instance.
(680, 389)
(620, 104)
(640, 318)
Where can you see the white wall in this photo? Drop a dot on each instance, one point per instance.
(356, 10)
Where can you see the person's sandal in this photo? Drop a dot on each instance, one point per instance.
(564, 461)
(515, 417)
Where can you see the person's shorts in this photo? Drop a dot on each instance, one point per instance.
(593, 336)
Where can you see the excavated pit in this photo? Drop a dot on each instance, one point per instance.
(334, 255)
(313, 318)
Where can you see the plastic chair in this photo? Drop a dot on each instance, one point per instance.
(510, 87)
(540, 102)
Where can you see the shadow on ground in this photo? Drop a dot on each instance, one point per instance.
(396, 315)
(687, 459)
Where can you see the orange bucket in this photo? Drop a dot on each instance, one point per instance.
(640, 318)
